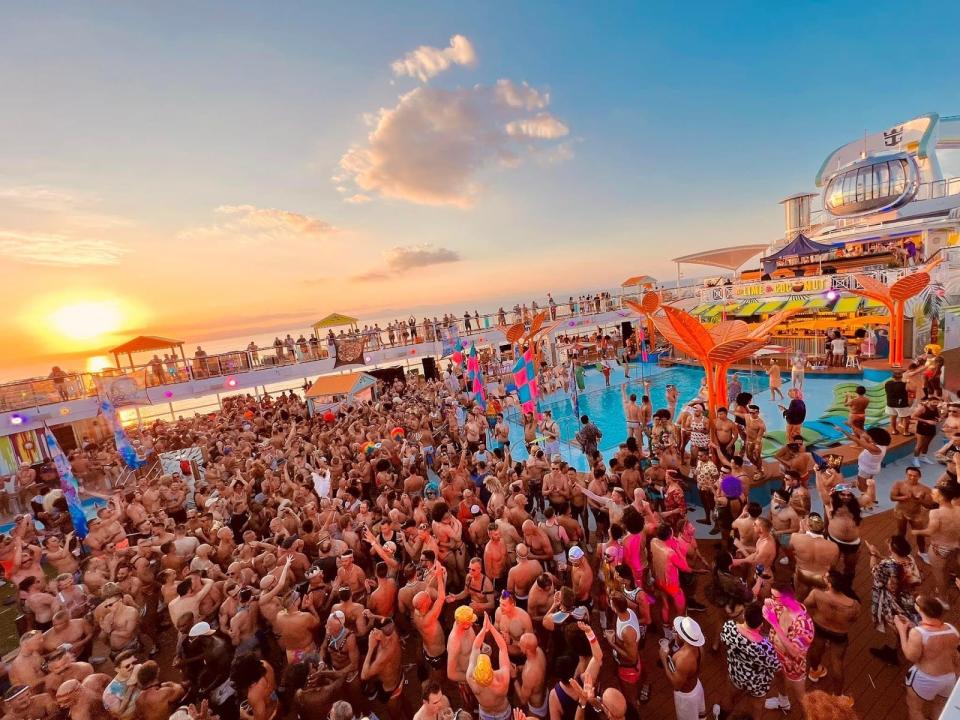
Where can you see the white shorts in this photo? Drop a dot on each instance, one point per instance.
(690, 705)
(899, 412)
(929, 687)
(561, 560)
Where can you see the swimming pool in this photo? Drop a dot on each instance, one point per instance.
(604, 404)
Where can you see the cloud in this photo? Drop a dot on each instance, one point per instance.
(270, 219)
(254, 224)
(372, 276)
(402, 258)
(54, 249)
(358, 199)
(432, 145)
(426, 62)
(542, 127)
(39, 197)
(414, 256)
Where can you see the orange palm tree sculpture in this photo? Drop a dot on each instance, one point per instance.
(894, 298)
(717, 347)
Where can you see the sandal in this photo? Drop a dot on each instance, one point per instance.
(645, 693)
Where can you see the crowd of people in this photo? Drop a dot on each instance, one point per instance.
(398, 557)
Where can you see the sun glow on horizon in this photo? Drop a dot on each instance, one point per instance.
(90, 320)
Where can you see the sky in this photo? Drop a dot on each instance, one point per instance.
(200, 170)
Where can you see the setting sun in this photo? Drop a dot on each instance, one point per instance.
(87, 320)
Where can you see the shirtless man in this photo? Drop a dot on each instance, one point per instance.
(512, 622)
(426, 618)
(794, 456)
(243, 622)
(932, 648)
(491, 687)
(744, 529)
(339, 650)
(943, 531)
(666, 560)
(725, 433)
(537, 541)
(477, 587)
(581, 577)
(765, 551)
(520, 577)
(41, 604)
(83, 700)
(834, 609)
(118, 621)
(27, 667)
(459, 645)
(814, 555)
(77, 632)
(435, 702)
(683, 669)
(156, 700)
(555, 487)
(530, 683)
(632, 412)
(784, 520)
(190, 594)
(495, 558)
(22, 704)
(754, 431)
(62, 665)
(857, 402)
(913, 500)
(383, 664)
(352, 576)
(59, 556)
(296, 629)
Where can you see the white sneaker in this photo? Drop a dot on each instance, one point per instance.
(923, 556)
(916, 462)
(925, 459)
(781, 702)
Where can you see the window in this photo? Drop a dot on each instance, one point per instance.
(898, 176)
(862, 174)
(881, 180)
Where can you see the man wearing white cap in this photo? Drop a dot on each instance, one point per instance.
(683, 668)
(581, 577)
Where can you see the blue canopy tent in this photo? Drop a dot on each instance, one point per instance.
(800, 246)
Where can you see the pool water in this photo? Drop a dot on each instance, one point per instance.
(604, 405)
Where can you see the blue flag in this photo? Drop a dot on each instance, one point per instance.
(68, 484)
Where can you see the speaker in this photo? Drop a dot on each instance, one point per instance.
(626, 329)
(430, 369)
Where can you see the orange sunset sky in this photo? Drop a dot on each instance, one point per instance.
(200, 171)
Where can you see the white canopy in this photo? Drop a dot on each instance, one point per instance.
(728, 258)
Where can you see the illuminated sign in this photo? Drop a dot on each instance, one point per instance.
(789, 286)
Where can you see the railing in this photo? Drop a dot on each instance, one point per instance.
(35, 392)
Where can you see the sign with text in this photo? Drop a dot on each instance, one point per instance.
(789, 286)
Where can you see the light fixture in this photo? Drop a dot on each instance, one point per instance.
(17, 419)
(168, 394)
(231, 382)
(832, 295)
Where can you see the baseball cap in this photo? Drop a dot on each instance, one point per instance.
(843, 487)
(575, 553)
(689, 630)
(201, 628)
(475, 509)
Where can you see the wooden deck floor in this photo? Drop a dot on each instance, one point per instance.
(877, 688)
